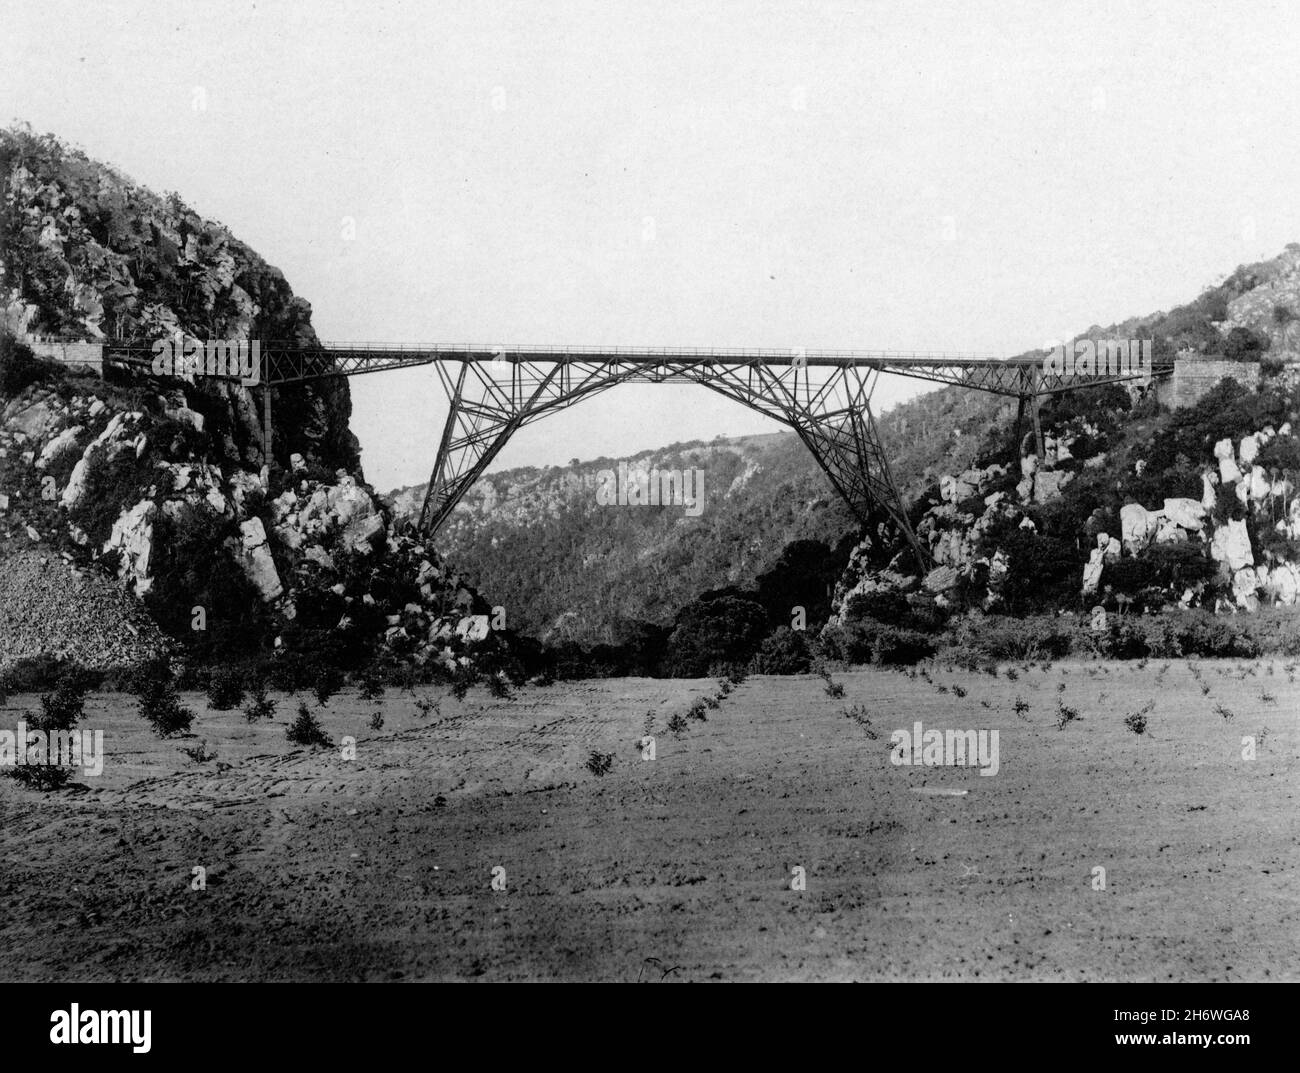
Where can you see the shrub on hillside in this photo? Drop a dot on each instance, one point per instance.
(60, 711)
(1001, 638)
(20, 368)
(802, 576)
(115, 482)
(155, 691)
(893, 646)
(305, 730)
(1043, 571)
(33, 674)
(708, 631)
(225, 689)
(1243, 344)
(192, 567)
(868, 641)
(784, 651)
(260, 705)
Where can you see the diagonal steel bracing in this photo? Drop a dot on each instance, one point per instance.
(829, 409)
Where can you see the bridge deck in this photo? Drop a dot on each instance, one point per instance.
(287, 363)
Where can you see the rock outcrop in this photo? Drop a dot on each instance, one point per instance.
(93, 255)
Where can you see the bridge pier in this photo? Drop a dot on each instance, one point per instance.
(266, 424)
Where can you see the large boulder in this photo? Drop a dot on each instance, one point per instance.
(63, 441)
(132, 538)
(1209, 490)
(955, 489)
(255, 559)
(1259, 487)
(1049, 482)
(34, 417)
(1137, 526)
(1250, 446)
(1290, 525)
(1168, 531)
(473, 628)
(1231, 545)
(1186, 513)
(1245, 583)
(1228, 471)
(941, 579)
(1282, 583)
(359, 534)
(1092, 571)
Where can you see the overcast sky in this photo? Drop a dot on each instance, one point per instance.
(975, 176)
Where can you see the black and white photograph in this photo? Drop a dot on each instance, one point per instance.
(650, 493)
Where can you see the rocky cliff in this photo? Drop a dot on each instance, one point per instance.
(165, 486)
(1133, 505)
(85, 253)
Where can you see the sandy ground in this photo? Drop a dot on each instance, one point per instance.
(380, 868)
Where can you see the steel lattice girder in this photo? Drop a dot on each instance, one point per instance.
(830, 411)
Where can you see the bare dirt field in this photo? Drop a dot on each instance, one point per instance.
(381, 868)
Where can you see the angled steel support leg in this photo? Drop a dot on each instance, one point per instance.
(438, 479)
(850, 452)
(479, 422)
(833, 417)
(490, 402)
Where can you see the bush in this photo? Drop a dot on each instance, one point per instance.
(305, 730)
(292, 671)
(1137, 721)
(1124, 638)
(893, 646)
(599, 764)
(260, 706)
(1065, 715)
(462, 678)
(784, 651)
(709, 631)
(33, 674)
(20, 368)
(225, 690)
(201, 753)
(1242, 344)
(155, 691)
(192, 567)
(329, 680)
(60, 711)
(869, 641)
(1000, 638)
(371, 684)
(114, 483)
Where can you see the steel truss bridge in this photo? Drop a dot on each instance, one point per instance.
(823, 395)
